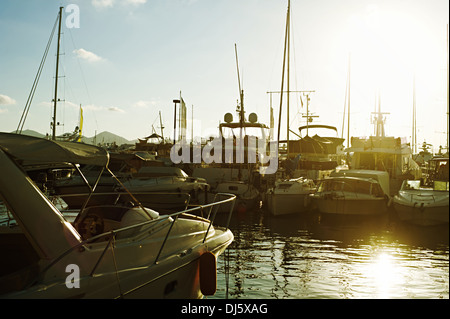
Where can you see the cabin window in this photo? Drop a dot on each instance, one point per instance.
(367, 161)
(336, 186)
(362, 187)
(356, 186)
(284, 186)
(377, 191)
(441, 186)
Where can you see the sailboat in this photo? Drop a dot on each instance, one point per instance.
(77, 133)
(288, 195)
(237, 174)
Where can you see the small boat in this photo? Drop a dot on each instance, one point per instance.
(353, 192)
(108, 251)
(425, 203)
(422, 206)
(290, 196)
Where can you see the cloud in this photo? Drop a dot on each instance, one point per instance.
(102, 3)
(135, 2)
(144, 104)
(6, 100)
(115, 109)
(88, 56)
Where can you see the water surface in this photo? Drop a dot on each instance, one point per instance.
(299, 257)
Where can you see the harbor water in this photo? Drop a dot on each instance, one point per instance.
(318, 257)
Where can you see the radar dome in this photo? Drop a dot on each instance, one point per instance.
(253, 118)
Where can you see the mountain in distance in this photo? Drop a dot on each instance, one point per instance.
(101, 138)
(106, 138)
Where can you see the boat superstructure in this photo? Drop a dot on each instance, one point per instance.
(384, 153)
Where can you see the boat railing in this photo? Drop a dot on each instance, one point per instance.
(116, 197)
(211, 208)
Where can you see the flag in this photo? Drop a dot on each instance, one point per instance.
(80, 132)
(182, 134)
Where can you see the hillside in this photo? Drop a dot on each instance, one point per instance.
(102, 138)
(106, 138)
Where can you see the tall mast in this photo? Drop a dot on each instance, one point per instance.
(286, 37)
(447, 92)
(414, 129)
(55, 100)
(288, 30)
(348, 115)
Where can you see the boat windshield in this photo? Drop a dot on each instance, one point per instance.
(229, 132)
(350, 185)
(441, 186)
(410, 185)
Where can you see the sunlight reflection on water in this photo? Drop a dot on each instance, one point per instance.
(293, 257)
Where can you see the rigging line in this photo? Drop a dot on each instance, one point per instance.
(291, 22)
(83, 77)
(36, 80)
(345, 106)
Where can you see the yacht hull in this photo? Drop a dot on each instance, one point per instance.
(422, 216)
(350, 206)
(285, 204)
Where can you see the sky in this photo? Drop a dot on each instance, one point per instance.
(127, 60)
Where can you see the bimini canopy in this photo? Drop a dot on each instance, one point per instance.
(31, 150)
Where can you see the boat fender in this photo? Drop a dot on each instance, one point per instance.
(208, 274)
(241, 208)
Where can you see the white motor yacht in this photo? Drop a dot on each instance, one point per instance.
(109, 251)
(290, 196)
(422, 206)
(353, 192)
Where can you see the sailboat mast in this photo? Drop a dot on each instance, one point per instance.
(348, 96)
(56, 76)
(414, 129)
(282, 73)
(447, 93)
(288, 29)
